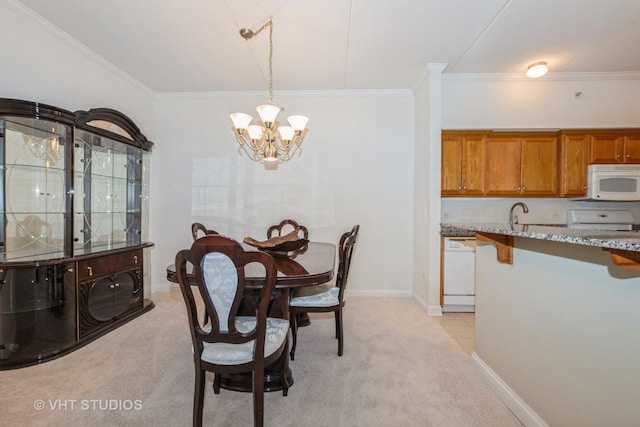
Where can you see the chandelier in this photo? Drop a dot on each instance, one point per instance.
(267, 142)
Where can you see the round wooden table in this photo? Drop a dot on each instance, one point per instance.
(313, 266)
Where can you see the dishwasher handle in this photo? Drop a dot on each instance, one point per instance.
(460, 244)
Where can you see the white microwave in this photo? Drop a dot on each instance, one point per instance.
(613, 182)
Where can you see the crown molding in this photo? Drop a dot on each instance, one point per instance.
(511, 77)
(373, 93)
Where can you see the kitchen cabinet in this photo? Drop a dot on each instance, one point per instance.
(522, 165)
(463, 163)
(617, 146)
(574, 160)
(75, 204)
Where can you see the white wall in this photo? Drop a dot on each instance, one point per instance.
(560, 327)
(356, 168)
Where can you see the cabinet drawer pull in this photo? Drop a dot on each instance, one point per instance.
(135, 259)
(90, 271)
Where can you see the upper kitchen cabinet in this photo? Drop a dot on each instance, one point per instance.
(463, 163)
(615, 146)
(522, 164)
(574, 159)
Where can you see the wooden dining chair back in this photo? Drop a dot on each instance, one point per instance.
(285, 227)
(229, 342)
(199, 230)
(332, 299)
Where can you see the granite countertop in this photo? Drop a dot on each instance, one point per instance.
(623, 240)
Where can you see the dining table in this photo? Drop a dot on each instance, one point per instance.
(311, 266)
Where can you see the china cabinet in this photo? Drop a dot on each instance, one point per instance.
(75, 203)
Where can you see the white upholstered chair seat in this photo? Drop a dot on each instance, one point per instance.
(235, 354)
(327, 298)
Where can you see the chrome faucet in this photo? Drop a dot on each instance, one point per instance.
(513, 219)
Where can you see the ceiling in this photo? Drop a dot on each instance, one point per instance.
(195, 46)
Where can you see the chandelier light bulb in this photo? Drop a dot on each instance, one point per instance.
(240, 120)
(298, 122)
(268, 112)
(537, 70)
(286, 133)
(255, 132)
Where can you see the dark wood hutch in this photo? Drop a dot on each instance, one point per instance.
(74, 240)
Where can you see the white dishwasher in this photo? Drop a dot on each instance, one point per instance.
(459, 271)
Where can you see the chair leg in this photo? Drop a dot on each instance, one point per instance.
(198, 397)
(339, 331)
(258, 396)
(285, 369)
(293, 325)
(216, 383)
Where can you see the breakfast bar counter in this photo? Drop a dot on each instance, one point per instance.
(556, 322)
(622, 240)
(624, 246)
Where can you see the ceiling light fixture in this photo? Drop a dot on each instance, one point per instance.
(537, 69)
(269, 142)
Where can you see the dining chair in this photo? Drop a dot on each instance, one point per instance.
(332, 299)
(230, 343)
(199, 230)
(285, 227)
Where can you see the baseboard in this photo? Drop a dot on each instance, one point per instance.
(520, 409)
(383, 294)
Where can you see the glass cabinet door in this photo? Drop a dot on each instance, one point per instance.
(34, 182)
(107, 192)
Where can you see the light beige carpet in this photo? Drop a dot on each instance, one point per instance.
(399, 368)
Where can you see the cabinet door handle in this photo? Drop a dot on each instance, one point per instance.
(628, 156)
(114, 285)
(90, 271)
(135, 259)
